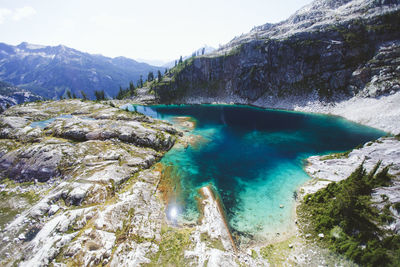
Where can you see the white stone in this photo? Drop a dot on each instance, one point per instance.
(53, 210)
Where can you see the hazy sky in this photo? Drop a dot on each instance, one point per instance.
(158, 29)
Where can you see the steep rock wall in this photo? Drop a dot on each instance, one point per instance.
(327, 63)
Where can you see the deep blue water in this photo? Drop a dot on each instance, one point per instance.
(253, 157)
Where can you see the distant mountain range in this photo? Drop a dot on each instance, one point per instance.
(11, 95)
(50, 71)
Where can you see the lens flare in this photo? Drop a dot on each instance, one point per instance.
(173, 212)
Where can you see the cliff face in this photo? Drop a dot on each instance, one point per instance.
(326, 51)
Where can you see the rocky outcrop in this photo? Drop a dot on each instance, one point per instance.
(44, 156)
(213, 230)
(328, 51)
(73, 164)
(337, 167)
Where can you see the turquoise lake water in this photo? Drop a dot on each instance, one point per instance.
(254, 159)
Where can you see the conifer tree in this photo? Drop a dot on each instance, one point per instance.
(159, 76)
(99, 95)
(120, 94)
(84, 96)
(131, 88)
(150, 76)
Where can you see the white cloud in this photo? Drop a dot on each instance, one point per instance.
(17, 14)
(4, 13)
(23, 12)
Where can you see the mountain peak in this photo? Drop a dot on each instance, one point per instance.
(26, 45)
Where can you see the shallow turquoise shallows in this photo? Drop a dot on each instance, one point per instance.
(254, 159)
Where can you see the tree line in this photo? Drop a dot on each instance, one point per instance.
(130, 91)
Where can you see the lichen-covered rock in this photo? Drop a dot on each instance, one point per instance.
(78, 129)
(11, 125)
(133, 254)
(40, 161)
(334, 169)
(52, 157)
(92, 248)
(80, 158)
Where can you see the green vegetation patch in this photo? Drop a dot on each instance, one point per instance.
(172, 246)
(212, 242)
(278, 253)
(340, 155)
(7, 145)
(13, 203)
(344, 213)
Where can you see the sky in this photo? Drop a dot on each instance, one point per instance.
(158, 30)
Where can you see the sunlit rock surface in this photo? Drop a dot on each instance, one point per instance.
(81, 165)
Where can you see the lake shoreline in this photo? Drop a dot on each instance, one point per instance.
(381, 113)
(271, 238)
(292, 242)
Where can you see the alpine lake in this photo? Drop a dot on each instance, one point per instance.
(253, 158)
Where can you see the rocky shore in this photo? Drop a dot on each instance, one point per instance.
(71, 184)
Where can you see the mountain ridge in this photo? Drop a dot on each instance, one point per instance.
(50, 71)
